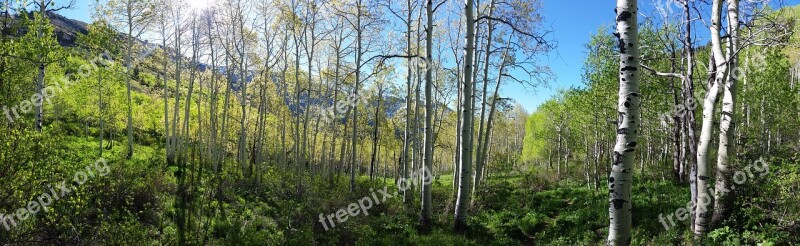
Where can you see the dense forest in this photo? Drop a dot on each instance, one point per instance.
(381, 122)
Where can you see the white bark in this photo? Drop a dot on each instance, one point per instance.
(359, 35)
(689, 125)
(702, 213)
(482, 135)
(722, 197)
(463, 197)
(40, 76)
(174, 143)
(428, 156)
(164, 37)
(483, 148)
(407, 133)
(240, 47)
(621, 178)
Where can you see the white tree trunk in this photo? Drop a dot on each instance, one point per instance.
(463, 197)
(704, 199)
(483, 147)
(483, 136)
(166, 87)
(722, 197)
(425, 218)
(689, 145)
(359, 53)
(621, 178)
(174, 143)
(407, 133)
(38, 107)
(128, 79)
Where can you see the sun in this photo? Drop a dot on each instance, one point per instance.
(199, 4)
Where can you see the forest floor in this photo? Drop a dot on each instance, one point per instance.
(137, 201)
(511, 210)
(529, 210)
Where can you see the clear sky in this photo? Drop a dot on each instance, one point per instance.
(81, 11)
(572, 23)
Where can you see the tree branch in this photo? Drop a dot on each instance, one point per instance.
(539, 39)
(653, 71)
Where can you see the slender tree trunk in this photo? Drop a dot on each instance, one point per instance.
(418, 131)
(175, 112)
(677, 171)
(335, 106)
(188, 106)
(283, 158)
(425, 218)
(353, 143)
(196, 169)
(167, 135)
(621, 178)
(215, 148)
(724, 176)
(310, 44)
(689, 102)
(322, 83)
(298, 90)
(407, 134)
(558, 152)
(596, 152)
(100, 108)
(586, 162)
(702, 222)
(185, 203)
(343, 147)
(457, 150)
(246, 172)
(284, 98)
(128, 75)
(463, 198)
(39, 105)
(484, 149)
(483, 136)
(375, 136)
(223, 153)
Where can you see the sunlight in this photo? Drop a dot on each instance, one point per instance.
(199, 4)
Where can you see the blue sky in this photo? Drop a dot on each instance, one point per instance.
(572, 22)
(81, 11)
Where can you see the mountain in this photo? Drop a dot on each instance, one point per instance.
(67, 29)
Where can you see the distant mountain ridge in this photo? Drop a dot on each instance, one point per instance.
(67, 31)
